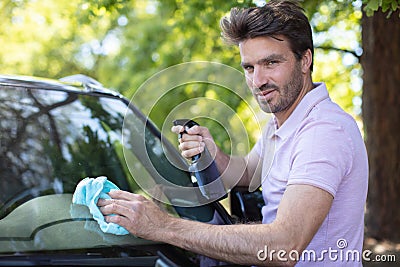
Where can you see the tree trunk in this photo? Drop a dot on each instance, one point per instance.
(381, 113)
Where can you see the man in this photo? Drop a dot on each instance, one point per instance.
(313, 167)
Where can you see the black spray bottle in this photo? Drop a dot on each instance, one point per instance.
(204, 168)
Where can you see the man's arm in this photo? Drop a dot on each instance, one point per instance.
(301, 212)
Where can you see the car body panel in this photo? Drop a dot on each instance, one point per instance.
(55, 133)
(56, 224)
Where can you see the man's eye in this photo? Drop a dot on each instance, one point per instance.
(248, 68)
(272, 62)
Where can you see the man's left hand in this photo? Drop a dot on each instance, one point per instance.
(139, 215)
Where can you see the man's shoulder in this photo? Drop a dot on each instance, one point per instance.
(331, 113)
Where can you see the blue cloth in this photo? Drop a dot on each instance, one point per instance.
(87, 192)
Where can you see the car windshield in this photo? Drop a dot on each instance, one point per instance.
(52, 139)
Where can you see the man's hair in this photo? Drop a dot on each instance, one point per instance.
(276, 18)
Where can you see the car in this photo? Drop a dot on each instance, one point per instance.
(54, 133)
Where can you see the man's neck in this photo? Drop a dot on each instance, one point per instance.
(281, 117)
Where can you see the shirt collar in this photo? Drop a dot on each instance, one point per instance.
(309, 101)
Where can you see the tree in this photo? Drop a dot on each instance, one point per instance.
(381, 102)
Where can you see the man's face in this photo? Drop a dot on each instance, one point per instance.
(272, 72)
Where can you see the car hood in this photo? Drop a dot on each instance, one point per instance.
(52, 222)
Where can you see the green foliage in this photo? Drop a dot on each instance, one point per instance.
(181, 31)
(390, 6)
(54, 38)
(123, 43)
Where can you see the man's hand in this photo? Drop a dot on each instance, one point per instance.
(137, 214)
(194, 141)
(234, 170)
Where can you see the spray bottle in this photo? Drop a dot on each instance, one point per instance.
(203, 168)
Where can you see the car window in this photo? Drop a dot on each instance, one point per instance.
(52, 139)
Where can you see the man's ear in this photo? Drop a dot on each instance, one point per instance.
(306, 61)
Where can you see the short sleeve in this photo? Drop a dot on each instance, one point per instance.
(322, 156)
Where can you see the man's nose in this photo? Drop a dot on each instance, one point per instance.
(259, 78)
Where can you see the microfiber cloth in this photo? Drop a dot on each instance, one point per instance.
(87, 192)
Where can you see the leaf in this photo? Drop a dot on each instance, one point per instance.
(395, 5)
(372, 5)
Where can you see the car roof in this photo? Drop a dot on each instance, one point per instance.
(75, 83)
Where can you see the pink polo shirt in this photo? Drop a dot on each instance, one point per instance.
(320, 145)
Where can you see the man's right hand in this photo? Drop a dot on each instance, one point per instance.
(234, 170)
(194, 140)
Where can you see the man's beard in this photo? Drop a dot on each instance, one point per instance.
(287, 94)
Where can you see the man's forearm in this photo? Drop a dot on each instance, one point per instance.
(230, 243)
(301, 212)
